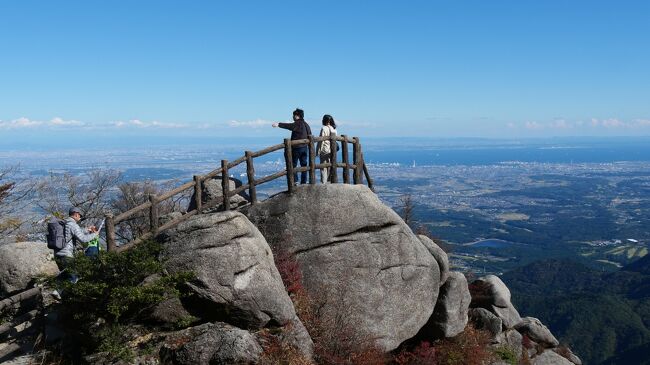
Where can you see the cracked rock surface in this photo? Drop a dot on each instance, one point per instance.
(21, 262)
(237, 281)
(356, 255)
(211, 343)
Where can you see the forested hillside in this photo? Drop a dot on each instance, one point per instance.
(604, 317)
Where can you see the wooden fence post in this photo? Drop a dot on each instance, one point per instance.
(333, 177)
(225, 184)
(250, 173)
(110, 232)
(198, 193)
(368, 178)
(288, 157)
(356, 151)
(312, 161)
(346, 160)
(153, 215)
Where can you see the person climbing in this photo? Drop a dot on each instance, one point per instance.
(300, 152)
(324, 148)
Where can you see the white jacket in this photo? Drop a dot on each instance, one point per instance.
(324, 146)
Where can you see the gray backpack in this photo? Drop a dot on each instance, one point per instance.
(56, 234)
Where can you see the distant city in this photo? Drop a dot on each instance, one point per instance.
(500, 204)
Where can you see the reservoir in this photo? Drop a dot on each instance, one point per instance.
(490, 243)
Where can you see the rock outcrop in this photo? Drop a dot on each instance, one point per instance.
(550, 357)
(450, 313)
(212, 190)
(492, 310)
(352, 247)
(491, 293)
(536, 331)
(510, 339)
(359, 263)
(441, 257)
(211, 343)
(236, 279)
(485, 320)
(21, 262)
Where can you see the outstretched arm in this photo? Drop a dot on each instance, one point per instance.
(288, 126)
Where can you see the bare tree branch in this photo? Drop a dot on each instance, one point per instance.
(406, 209)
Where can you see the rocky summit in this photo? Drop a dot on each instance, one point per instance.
(358, 254)
(352, 256)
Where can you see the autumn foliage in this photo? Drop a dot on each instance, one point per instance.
(338, 340)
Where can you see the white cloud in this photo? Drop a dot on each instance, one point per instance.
(593, 123)
(257, 123)
(613, 123)
(24, 122)
(534, 125)
(20, 123)
(61, 122)
(136, 123)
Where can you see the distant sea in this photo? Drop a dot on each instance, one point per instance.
(172, 160)
(541, 151)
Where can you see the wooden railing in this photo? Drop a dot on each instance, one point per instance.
(26, 307)
(357, 167)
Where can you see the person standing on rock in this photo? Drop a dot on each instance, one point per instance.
(300, 152)
(74, 237)
(324, 148)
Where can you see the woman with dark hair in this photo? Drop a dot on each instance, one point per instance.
(324, 148)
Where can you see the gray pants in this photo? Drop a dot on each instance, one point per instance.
(325, 173)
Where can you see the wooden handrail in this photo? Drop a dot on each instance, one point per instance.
(20, 297)
(357, 166)
(5, 328)
(268, 150)
(179, 189)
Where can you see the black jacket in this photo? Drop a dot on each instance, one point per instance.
(299, 130)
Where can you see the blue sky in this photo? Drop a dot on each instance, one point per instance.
(381, 68)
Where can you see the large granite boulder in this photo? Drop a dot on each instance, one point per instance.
(566, 353)
(236, 279)
(212, 189)
(510, 339)
(357, 254)
(549, 357)
(21, 262)
(440, 255)
(211, 343)
(450, 313)
(491, 293)
(536, 331)
(485, 320)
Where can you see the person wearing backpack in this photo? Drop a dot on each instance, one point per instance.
(74, 237)
(324, 148)
(299, 130)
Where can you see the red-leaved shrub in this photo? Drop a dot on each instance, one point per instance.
(338, 339)
(422, 354)
(289, 271)
(336, 335)
(277, 351)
